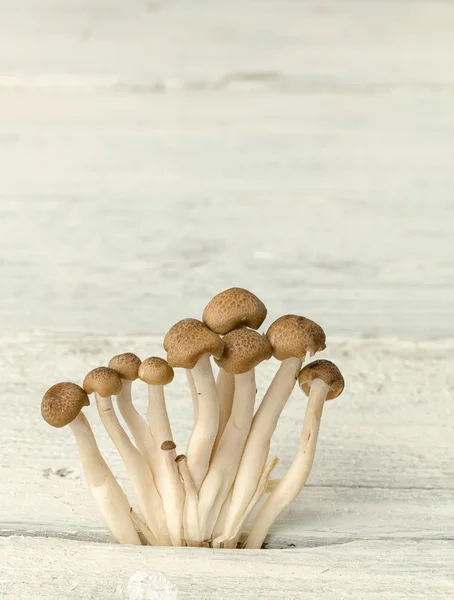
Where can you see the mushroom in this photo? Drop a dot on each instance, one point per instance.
(244, 349)
(189, 344)
(157, 373)
(62, 405)
(321, 380)
(127, 366)
(190, 513)
(291, 338)
(232, 308)
(105, 382)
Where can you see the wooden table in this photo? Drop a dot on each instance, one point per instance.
(155, 153)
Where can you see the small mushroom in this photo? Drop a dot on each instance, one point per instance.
(105, 382)
(291, 338)
(232, 308)
(189, 344)
(157, 373)
(244, 349)
(62, 405)
(190, 513)
(321, 380)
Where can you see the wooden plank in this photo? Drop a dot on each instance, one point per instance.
(48, 568)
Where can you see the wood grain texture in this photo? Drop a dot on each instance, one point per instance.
(154, 153)
(48, 569)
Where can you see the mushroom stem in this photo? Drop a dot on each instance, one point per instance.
(143, 529)
(170, 494)
(176, 497)
(138, 472)
(219, 527)
(206, 425)
(294, 480)
(167, 478)
(258, 442)
(225, 383)
(194, 396)
(190, 513)
(256, 497)
(158, 418)
(223, 469)
(137, 425)
(110, 498)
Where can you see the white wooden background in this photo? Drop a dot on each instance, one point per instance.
(155, 153)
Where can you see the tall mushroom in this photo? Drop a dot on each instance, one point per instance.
(291, 338)
(189, 344)
(244, 349)
(232, 308)
(321, 380)
(105, 382)
(157, 373)
(62, 405)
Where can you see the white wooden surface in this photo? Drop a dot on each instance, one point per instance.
(155, 153)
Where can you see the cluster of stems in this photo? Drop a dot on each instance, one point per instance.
(204, 497)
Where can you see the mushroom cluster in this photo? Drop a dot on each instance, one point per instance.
(205, 496)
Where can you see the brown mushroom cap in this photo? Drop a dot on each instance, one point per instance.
(168, 445)
(234, 308)
(327, 372)
(292, 336)
(156, 371)
(244, 349)
(104, 381)
(188, 340)
(62, 403)
(126, 365)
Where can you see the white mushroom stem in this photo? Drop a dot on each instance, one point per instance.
(219, 527)
(110, 498)
(175, 499)
(225, 383)
(158, 418)
(167, 478)
(194, 395)
(206, 424)
(225, 463)
(256, 497)
(139, 474)
(138, 426)
(190, 512)
(295, 478)
(144, 530)
(258, 442)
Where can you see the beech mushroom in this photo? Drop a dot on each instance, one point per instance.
(62, 405)
(244, 349)
(291, 338)
(105, 382)
(157, 373)
(232, 308)
(320, 380)
(189, 344)
(190, 513)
